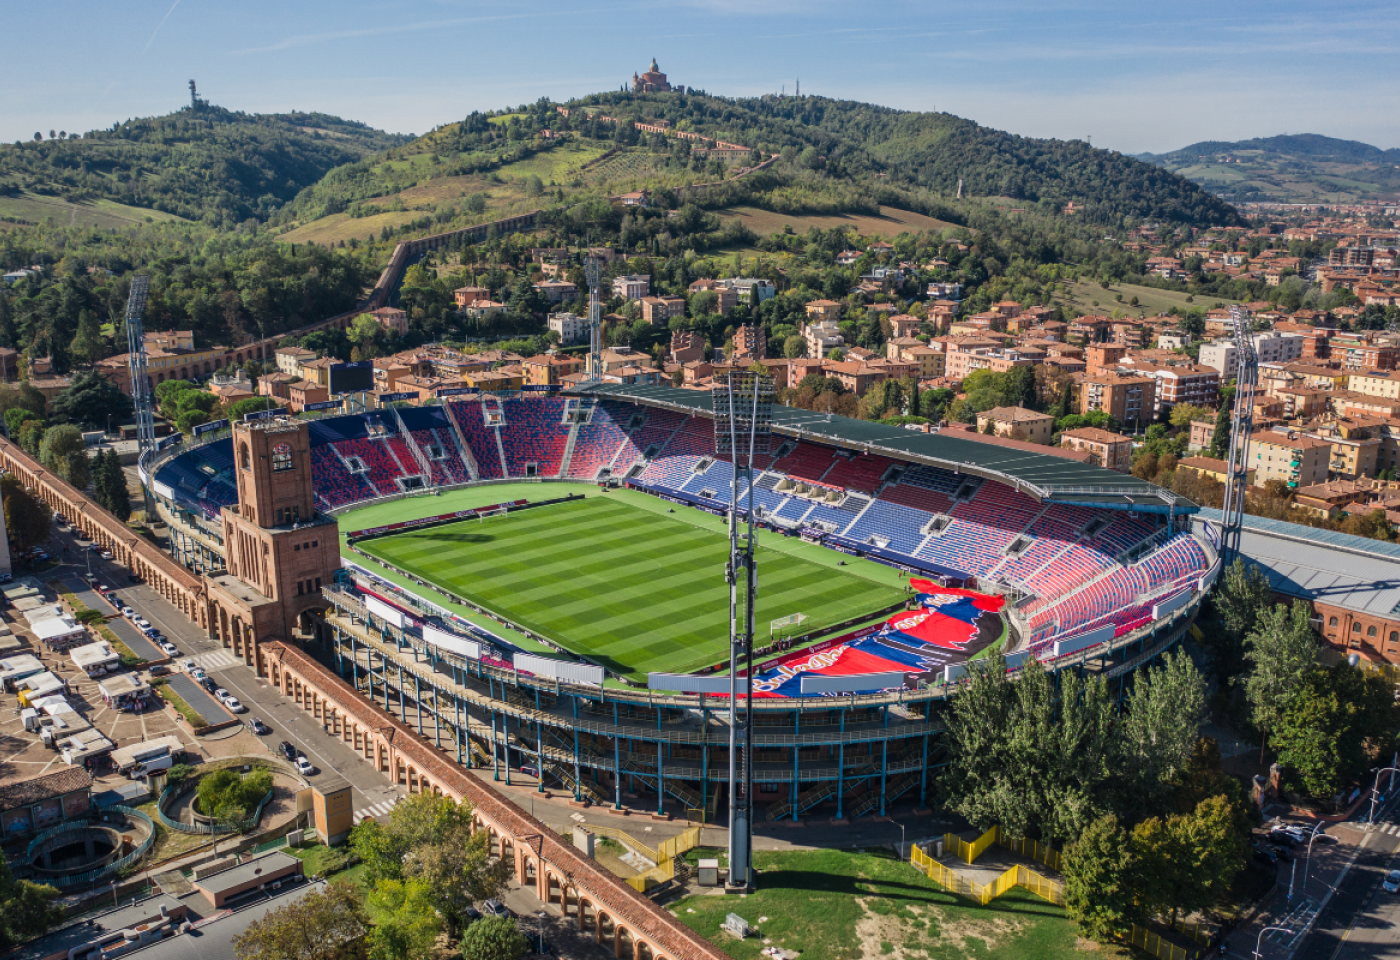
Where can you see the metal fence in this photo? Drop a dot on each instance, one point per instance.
(1032, 849)
(207, 829)
(983, 894)
(116, 866)
(969, 852)
(1153, 943)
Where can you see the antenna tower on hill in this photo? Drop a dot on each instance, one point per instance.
(195, 102)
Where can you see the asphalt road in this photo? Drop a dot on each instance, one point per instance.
(1361, 920)
(199, 700)
(372, 793)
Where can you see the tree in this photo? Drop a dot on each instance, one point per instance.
(109, 485)
(58, 442)
(88, 344)
(406, 922)
(1100, 881)
(431, 838)
(494, 938)
(1018, 388)
(1188, 860)
(795, 347)
(1220, 437)
(31, 435)
(1240, 596)
(1328, 732)
(26, 909)
(230, 786)
(90, 401)
(1281, 650)
(27, 519)
(1165, 710)
(1183, 413)
(247, 405)
(316, 926)
(77, 469)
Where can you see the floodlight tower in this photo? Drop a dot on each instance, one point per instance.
(140, 382)
(743, 409)
(1241, 425)
(595, 321)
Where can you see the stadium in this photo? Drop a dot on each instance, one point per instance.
(514, 569)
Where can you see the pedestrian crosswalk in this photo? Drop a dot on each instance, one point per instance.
(1391, 829)
(374, 811)
(217, 659)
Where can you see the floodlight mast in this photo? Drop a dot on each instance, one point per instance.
(743, 411)
(1241, 425)
(595, 321)
(140, 378)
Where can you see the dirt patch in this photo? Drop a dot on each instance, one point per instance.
(901, 936)
(1087, 946)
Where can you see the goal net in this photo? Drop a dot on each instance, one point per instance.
(493, 512)
(786, 625)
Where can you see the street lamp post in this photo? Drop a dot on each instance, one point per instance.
(1307, 859)
(1259, 942)
(1375, 792)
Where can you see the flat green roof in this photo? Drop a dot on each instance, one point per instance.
(1041, 475)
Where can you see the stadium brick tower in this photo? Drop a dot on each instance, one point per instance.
(279, 550)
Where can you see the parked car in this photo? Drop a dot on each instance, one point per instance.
(170, 649)
(189, 666)
(90, 577)
(288, 751)
(258, 727)
(158, 670)
(105, 554)
(207, 683)
(1392, 882)
(234, 705)
(496, 909)
(304, 766)
(141, 622)
(127, 612)
(222, 694)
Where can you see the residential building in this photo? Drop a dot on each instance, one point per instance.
(290, 359)
(392, 319)
(495, 381)
(572, 329)
(823, 311)
(687, 345)
(1294, 458)
(822, 336)
(658, 311)
(1018, 423)
(1181, 383)
(749, 287)
(1271, 347)
(1356, 446)
(556, 291)
(1375, 383)
(855, 375)
(1105, 448)
(1216, 470)
(1128, 398)
(549, 369)
(631, 287)
(750, 343)
(1202, 432)
(468, 295)
(302, 392)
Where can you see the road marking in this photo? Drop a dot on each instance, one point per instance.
(374, 811)
(217, 660)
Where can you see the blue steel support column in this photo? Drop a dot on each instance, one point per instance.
(354, 663)
(884, 772)
(539, 756)
(505, 744)
(384, 678)
(437, 718)
(923, 778)
(578, 771)
(793, 792)
(461, 732)
(840, 774)
(403, 704)
(704, 782)
(617, 769)
(339, 658)
(660, 781)
(417, 701)
(495, 765)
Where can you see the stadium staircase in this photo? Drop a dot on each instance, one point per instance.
(568, 456)
(346, 464)
(463, 450)
(674, 786)
(501, 452)
(422, 461)
(819, 794)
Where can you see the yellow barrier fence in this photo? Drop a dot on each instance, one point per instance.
(664, 855)
(969, 852)
(983, 894)
(687, 839)
(1149, 942)
(1030, 849)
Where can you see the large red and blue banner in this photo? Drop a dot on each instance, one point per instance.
(946, 625)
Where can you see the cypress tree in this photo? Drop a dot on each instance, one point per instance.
(116, 490)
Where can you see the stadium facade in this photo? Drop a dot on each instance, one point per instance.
(1100, 573)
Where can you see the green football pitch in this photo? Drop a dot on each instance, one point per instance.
(634, 590)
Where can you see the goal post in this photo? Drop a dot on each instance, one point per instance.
(493, 512)
(775, 627)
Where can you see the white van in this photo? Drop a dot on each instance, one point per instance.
(145, 768)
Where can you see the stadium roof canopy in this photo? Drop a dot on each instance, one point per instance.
(1354, 573)
(1040, 475)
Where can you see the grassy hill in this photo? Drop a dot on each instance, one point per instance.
(210, 164)
(1297, 168)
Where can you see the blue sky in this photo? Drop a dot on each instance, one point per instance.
(1131, 76)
